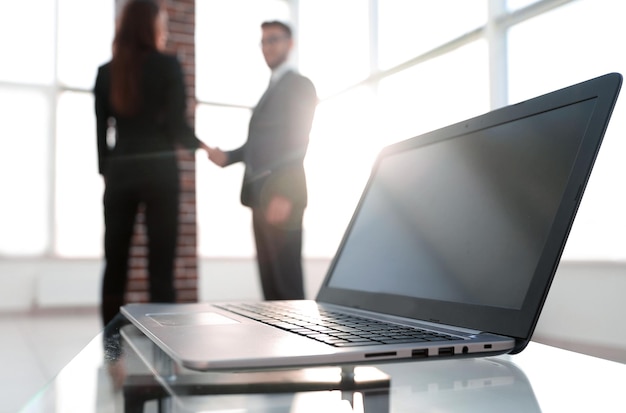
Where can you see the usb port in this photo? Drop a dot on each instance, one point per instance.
(446, 351)
(420, 353)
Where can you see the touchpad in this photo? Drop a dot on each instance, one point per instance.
(186, 319)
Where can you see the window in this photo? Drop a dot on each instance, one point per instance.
(25, 80)
(78, 186)
(351, 128)
(409, 28)
(31, 59)
(443, 90)
(341, 150)
(384, 70)
(541, 59)
(224, 225)
(24, 163)
(333, 43)
(229, 64)
(85, 35)
(52, 203)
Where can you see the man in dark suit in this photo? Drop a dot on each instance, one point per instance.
(274, 184)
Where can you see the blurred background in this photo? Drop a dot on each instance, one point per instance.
(385, 70)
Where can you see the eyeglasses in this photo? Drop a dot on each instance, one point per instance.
(270, 41)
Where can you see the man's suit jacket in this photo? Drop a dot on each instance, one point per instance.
(278, 138)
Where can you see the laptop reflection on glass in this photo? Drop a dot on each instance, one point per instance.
(450, 252)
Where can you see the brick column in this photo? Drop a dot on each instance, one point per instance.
(182, 17)
(180, 42)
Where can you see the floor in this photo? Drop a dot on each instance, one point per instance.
(35, 347)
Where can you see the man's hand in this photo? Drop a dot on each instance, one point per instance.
(278, 210)
(217, 156)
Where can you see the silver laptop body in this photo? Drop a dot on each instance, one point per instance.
(455, 242)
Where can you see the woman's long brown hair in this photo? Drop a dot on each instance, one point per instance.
(134, 39)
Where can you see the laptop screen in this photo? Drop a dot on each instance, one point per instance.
(465, 225)
(464, 219)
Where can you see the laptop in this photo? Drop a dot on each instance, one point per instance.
(450, 385)
(450, 252)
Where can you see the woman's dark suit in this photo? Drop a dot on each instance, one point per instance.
(141, 168)
(273, 154)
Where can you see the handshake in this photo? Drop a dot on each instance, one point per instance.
(279, 208)
(216, 155)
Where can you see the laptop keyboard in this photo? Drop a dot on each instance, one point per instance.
(334, 328)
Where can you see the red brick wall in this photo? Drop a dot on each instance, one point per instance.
(180, 42)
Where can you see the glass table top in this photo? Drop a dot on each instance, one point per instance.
(121, 370)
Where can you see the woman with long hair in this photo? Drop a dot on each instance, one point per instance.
(140, 94)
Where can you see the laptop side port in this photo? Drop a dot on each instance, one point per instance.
(446, 351)
(385, 354)
(419, 353)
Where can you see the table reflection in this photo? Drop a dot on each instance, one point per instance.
(121, 370)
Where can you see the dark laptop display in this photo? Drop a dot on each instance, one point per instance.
(464, 221)
(470, 220)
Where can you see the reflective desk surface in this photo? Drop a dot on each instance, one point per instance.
(127, 373)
